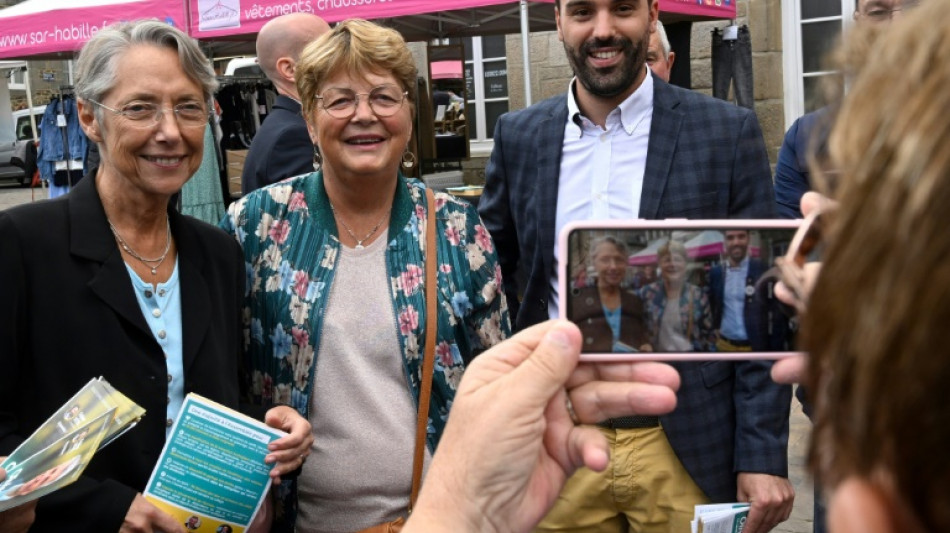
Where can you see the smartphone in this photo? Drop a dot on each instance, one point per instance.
(676, 289)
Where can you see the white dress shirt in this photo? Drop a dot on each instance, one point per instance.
(602, 168)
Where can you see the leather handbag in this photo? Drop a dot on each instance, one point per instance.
(428, 364)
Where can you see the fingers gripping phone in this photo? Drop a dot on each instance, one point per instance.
(676, 289)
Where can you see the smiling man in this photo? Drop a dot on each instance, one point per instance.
(622, 144)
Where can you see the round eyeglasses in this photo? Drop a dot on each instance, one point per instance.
(148, 115)
(384, 101)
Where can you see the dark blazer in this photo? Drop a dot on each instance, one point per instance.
(281, 147)
(717, 291)
(588, 313)
(706, 159)
(808, 136)
(68, 314)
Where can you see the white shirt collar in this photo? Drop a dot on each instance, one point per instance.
(631, 109)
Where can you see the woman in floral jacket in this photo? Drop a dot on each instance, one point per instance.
(679, 316)
(335, 306)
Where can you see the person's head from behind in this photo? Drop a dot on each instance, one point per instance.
(660, 56)
(606, 42)
(357, 84)
(280, 43)
(876, 319)
(609, 257)
(672, 258)
(881, 11)
(143, 90)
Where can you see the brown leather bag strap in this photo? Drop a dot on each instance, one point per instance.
(428, 361)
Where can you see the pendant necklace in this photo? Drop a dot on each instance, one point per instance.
(359, 242)
(157, 262)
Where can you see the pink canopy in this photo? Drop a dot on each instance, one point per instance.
(225, 18)
(54, 28)
(723, 9)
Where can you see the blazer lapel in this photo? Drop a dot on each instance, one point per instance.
(664, 133)
(90, 238)
(195, 299)
(550, 142)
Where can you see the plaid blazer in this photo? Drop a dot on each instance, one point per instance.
(706, 159)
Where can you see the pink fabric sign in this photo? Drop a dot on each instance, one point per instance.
(66, 29)
(723, 9)
(221, 18)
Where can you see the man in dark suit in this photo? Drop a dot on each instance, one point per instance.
(282, 146)
(731, 290)
(624, 144)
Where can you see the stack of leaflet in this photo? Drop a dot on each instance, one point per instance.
(59, 450)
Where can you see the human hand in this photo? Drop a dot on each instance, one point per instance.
(510, 442)
(20, 518)
(791, 370)
(143, 517)
(289, 451)
(771, 498)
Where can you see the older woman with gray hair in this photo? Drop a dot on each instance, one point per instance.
(111, 281)
(337, 309)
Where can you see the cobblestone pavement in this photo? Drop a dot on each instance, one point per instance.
(800, 427)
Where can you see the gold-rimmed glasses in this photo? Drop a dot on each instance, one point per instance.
(384, 100)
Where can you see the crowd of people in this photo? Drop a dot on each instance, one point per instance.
(309, 310)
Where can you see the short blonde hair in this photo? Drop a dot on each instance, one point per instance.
(876, 319)
(354, 46)
(672, 247)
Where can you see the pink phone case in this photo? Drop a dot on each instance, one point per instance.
(564, 278)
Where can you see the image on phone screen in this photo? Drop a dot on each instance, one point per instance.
(688, 289)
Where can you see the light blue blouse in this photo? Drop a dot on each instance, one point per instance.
(161, 307)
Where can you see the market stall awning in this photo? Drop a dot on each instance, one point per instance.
(697, 9)
(416, 20)
(55, 29)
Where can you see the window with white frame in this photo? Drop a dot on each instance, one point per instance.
(811, 29)
(16, 79)
(486, 84)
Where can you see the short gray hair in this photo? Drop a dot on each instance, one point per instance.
(96, 67)
(608, 239)
(664, 41)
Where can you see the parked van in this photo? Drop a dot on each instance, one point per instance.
(21, 121)
(243, 66)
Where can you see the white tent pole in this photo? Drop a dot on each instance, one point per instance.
(526, 52)
(29, 101)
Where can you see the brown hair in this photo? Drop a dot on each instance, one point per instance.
(670, 248)
(355, 46)
(876, 318)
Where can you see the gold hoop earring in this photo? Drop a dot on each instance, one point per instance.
(317, 159)
(408, 159)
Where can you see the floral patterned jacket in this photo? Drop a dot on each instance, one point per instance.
(699, 329)
(290, 244)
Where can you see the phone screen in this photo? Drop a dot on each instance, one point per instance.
(694, 289)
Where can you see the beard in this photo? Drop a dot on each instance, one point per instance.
(612, 81)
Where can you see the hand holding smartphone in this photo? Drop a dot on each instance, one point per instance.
(676, 289)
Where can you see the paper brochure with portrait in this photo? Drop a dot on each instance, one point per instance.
(211, 475)
(676, 289)
(58, 451)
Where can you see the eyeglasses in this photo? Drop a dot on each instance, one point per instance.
(805, 247)
(384, 100)
(148, 115)
(882, 14)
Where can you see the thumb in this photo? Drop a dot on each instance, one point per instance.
(550, 364)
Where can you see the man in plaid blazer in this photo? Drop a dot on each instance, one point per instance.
(670, 153)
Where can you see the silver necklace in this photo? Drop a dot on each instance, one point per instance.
(147, 262)
(359, 242)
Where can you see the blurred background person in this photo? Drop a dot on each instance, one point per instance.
(281, 147)
(679, 314)
(611, 318)
(335, 308)
(110, 281)
(660, 56)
